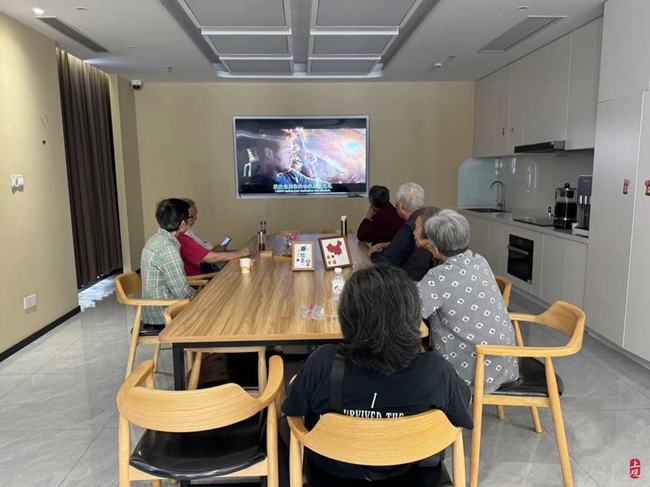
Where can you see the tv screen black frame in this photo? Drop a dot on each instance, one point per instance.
(342, 190)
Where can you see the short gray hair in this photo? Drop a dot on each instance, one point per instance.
(190, 202)
(411, 196)
(448, 231)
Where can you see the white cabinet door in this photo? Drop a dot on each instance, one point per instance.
(485, 114)
(583, 86)
(574, 273)
(637, 324)
(612, 215)
(503, 105)
(478, 241)
(497, 251)
(517, 102)
(479, 110)
(552, 269)
(556, 89)
(534, 97)
(625, 63)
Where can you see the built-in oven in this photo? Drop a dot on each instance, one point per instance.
(520, 258)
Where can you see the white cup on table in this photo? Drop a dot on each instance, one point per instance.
(245, 265)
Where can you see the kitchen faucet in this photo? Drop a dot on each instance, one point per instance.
(502, 203)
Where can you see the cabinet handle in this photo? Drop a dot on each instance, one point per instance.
(647, 187)
(518, 250)
(503, 131)
(626, 186)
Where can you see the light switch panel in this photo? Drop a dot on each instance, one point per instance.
(17, 182)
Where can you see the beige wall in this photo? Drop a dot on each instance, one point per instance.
(418, 132)
(127, 171)
(36, 252)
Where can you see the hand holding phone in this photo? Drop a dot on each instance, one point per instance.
(226, 241)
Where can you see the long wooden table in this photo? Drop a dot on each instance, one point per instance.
(261, 308)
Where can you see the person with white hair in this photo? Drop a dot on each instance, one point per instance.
(462, 302)
(402, 251)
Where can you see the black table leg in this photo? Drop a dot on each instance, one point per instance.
(178, 352)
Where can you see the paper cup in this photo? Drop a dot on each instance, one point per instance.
(245, 265)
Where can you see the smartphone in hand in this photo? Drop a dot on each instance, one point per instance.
(226, 241)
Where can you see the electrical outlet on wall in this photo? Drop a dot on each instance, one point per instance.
(30, 301)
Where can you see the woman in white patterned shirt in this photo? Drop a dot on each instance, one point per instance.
(462, 301)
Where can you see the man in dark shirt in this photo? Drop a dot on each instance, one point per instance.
(402, 251)
(382, 222)
(385, 376)
(276, 156)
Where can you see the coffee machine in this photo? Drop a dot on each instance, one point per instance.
(584, 205)
(566, 207)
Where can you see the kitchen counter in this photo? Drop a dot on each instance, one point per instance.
(507, 219)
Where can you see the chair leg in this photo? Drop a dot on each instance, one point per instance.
(295, 462)
(536, 423)
(135, 335)
(501, 413)
(124, 452)
(261, 371)
(196, 372)
(558, 423)
(156, 356)
(458, 462)
(477, 416)
(272, 472)
(189, 359)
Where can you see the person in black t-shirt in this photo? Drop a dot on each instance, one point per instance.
(385, 375)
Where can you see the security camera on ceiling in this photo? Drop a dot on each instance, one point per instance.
(137, 84)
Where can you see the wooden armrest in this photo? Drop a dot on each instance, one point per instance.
(141, 373)
(297, 426)
(198, 282)
(274, 382)
(525, 317)
(153, 302)
(508, 351)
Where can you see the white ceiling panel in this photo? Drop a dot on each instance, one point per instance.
(249, 44)
(239, 13)
(246, 66)
(359, 13)
(336, 45)
(341, 66)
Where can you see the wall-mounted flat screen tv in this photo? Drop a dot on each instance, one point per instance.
(301, 156)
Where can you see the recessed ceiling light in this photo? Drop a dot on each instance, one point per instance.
(437, 66)
(38, 11)
(470, 46)
(81, 9)
(523, 7)
(135, 48)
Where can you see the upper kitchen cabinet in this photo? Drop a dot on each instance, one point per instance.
(549, 95)
(503, 107)
(625, 63)
(485, 116)
(586, 45)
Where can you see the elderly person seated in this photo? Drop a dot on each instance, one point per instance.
(382, 222)
(462, 302)
(402, 251)
(383, 373)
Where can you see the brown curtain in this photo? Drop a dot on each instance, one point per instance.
(87, 127)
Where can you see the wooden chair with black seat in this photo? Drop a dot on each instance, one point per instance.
(127, 285)
(377, 442)
(195, 356)
(194, 435)
(538, 385)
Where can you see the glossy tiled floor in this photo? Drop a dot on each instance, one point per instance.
(58, 422)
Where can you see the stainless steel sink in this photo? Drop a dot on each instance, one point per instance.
(486, 210)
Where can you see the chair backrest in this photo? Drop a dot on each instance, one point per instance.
(561, 316)
(377, 442)
(172, 311)
(191, 411)
(505, 286)
(127, 284)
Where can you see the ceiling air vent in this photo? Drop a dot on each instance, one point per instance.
(525, 29)
(72, 33)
